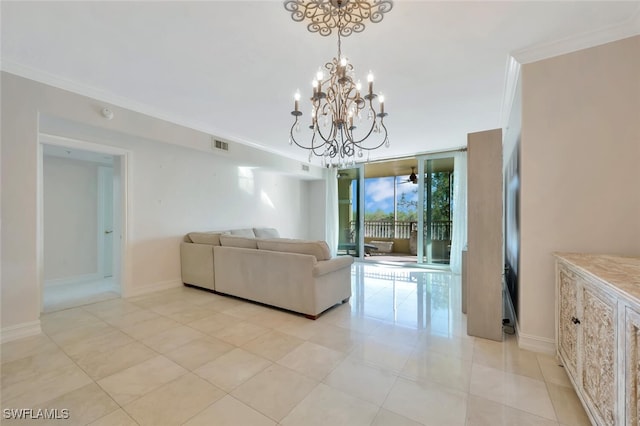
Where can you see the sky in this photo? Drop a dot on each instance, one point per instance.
(378, 193)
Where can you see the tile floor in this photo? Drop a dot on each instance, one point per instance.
(397, 354)
(64, 296)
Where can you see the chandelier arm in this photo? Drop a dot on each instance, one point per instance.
(373, 125)
(385, 139)
(326, 139)
(312, 148)
(293, 138)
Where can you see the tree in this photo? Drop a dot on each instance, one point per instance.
(378, 215)
(408, 208)
(440, 196)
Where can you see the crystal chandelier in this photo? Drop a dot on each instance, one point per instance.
(339, 132)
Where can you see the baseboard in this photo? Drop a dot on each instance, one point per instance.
(536, 343)
(528, 341)
(159, 286)
(73, 280)
(19, 331)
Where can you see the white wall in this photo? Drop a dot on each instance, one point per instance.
(70, 218)
(317, 210)
(177, 185)
(580, 176)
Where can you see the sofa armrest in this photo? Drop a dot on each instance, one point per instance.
(196, 262)
(324, 267)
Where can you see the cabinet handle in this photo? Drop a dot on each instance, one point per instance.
(575, 320)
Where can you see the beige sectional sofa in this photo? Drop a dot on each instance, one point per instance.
(255, 264)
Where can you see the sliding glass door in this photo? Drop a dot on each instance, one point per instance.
(409, 214)
(435, 196)
(350, 238)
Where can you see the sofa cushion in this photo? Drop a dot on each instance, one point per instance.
(319, 249)
(246, 232)
(236, 241)
(212, 238)
(266, 233)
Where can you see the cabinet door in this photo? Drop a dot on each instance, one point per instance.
(567, 330)
(598, 370)
(632, 370)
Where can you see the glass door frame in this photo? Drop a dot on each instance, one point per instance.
(360, 209)
(359, 200)
(422, 159)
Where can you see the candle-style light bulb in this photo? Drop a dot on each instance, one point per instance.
(358, 86)
(370, 81)
(343, 61)
(381, 99)
(370, 77)
(319, 75)
(296, 102)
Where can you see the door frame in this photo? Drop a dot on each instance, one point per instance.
(124, 272)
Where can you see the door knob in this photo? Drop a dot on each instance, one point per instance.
(108, 232)
(575, 320)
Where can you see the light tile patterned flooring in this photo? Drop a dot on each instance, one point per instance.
(397, 354)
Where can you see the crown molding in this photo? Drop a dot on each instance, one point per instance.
(625, 29)
(43, 77)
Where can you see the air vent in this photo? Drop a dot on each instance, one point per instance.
(305, 168)
(218, 144)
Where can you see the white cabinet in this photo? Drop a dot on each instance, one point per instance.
(587, 342)
(598, 333)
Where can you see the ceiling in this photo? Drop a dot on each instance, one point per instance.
(404, 166)
(230, 68)
(77, 154)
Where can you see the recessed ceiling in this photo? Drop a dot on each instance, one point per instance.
(230, 68)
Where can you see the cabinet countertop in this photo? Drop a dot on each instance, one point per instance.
(620, 272)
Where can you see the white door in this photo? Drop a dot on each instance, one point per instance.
(107, 223)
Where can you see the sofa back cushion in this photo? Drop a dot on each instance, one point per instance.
(236, 241)
(246, 232)
(212, 238)
(266, 233)
(319, 249)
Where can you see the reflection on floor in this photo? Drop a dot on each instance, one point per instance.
(396, 354)
(64, 296)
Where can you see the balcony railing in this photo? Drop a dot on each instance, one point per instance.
(440, 230)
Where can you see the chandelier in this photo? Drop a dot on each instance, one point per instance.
(339, 132)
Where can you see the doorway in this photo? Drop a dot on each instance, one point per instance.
(82, 218)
